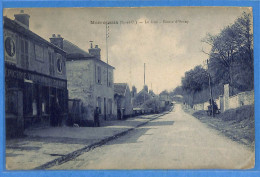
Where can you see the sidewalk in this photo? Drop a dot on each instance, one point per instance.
(44, 145)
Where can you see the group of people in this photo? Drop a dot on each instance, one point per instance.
(56, 114)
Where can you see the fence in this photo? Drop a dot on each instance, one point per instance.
(226, 102)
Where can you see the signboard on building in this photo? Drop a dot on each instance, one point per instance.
(34, 77)
(10, 47)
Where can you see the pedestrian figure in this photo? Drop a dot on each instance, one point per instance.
(214, 106)
(57, 113)
(96, 117)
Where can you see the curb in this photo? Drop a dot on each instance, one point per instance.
(88, 148)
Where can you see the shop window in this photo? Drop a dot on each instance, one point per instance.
(34, 108)
(28, 99)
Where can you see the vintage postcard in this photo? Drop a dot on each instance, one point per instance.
(129, 88)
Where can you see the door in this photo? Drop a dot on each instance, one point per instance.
(105, 109)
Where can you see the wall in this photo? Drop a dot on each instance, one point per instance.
(128, 102)
(102, 90)
(125, 102)
(80, 85)
(226, 102)
(38, 55)
(244, 98)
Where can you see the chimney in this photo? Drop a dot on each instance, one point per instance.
(94, 51)
(23, 19)
(91, 44)
(57, 40)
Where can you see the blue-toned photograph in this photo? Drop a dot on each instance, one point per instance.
(129, 88)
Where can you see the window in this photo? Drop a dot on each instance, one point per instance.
(51, 64)
(24, 54)
(39, 53)
(99, 104)
(110, 106)
(110, 79)
(98, 74)
(59, 63)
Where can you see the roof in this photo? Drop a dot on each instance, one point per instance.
(17, 27)
(76, 53)
(120, 88)
(73, 51)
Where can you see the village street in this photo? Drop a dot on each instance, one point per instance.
(174, 141)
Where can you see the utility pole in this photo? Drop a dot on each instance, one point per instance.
(144, 82)
(210, 90)
(144, 74)
(107, 36)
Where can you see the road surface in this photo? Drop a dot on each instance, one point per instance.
(174, 141)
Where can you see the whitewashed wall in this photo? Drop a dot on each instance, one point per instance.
(225, 102)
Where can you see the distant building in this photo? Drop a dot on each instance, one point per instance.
(89, 79)
(141, 97)
(122, 96)
(35, 76)
(164, 99)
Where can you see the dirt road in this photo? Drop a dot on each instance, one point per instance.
(174, 141)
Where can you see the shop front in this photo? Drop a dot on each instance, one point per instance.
(31, 99)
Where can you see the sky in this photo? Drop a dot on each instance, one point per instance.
(167, 49)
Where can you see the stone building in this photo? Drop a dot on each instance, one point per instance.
(89, 79)
(164, 99)
(35, 77)
(123, 100)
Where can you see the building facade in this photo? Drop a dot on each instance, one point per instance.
(123, 100)
(91, 81)
(35, 77)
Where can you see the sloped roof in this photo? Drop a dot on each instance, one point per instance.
(76, 53)
(73, 50)
(120, 88)
(18, 27)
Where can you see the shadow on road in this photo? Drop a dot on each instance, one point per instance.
(135, 135)
(160, 123)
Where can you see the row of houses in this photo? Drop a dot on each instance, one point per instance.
(39, 73)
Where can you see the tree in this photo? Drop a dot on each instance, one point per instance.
(194, 81)
(231, 54)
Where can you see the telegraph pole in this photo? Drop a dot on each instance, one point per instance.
(144, 74)
(144, 82)
(107, 36)
(210, 90)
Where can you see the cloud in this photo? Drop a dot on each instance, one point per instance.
(167, 49)
(152, 44)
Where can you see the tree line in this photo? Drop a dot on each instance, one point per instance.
(230, 61)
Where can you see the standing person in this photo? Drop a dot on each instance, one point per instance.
(58, 117)
(53, 112)
(96, 117)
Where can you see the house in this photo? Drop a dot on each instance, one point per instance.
(141, 97)
(164, 98)
(89, 79)
(35, 76)
(122, 97)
